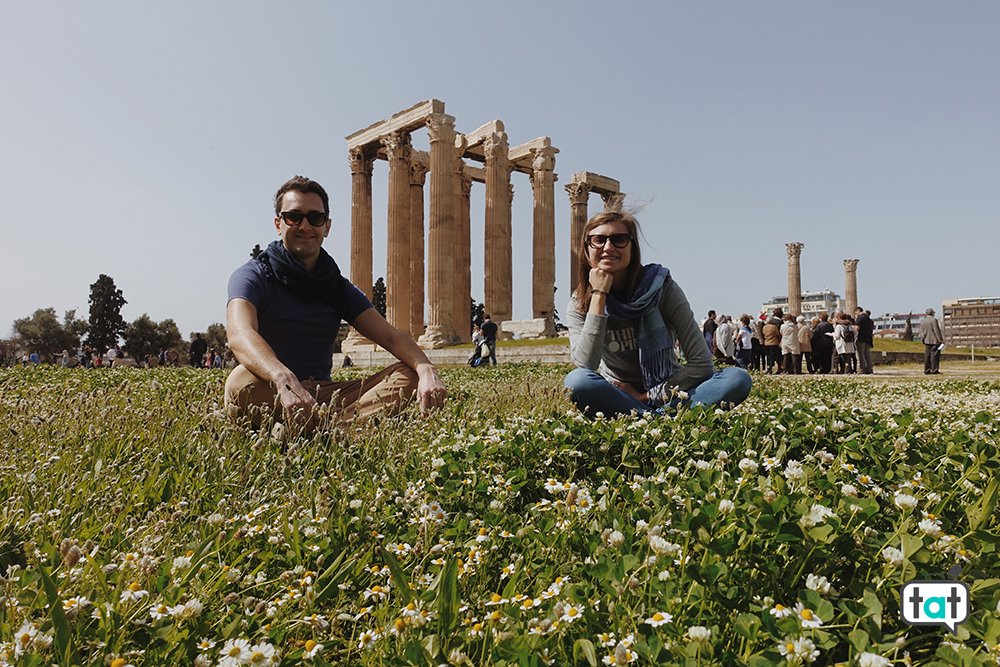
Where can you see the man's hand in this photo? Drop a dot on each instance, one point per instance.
(431, 392)
(297, 404)
(600, 280)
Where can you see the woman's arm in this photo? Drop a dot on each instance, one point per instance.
(679, 318)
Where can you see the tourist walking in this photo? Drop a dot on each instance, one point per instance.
(623, 319)
(930, 334)
(490, 330)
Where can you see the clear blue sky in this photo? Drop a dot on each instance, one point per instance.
(146, 140)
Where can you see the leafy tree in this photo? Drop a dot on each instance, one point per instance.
(106, 323)
(43, 333)
(378, 296)
(908, 334)
(256, 251)
(144, 336)
(476, 314)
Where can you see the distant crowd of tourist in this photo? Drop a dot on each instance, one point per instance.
(782, 343)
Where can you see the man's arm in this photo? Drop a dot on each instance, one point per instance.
(431, 391)
(254, 354)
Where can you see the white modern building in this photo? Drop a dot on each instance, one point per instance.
(813, 303)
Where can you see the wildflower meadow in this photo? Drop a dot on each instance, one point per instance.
(141, 526)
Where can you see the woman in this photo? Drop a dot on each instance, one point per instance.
(844, 347)
(744, 343)
(772, 346)
(623, 320)
(805, 343)
(790, 350)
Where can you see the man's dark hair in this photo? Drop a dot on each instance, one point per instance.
(305, 186)
(486, 317)
(711, 313)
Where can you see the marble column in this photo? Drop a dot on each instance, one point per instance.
(397, 266)
(440, 259)
(851, 285)
(497, 269)
(463, 255)
(418, 174)
(544, 223)
(362, 159)
(579, 195)
(794, 278)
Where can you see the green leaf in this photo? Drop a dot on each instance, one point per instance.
(586, 648)
(859, 640)
(448, 598)
(874, 607)
(747, 625)
(62, 640)
(398, 576)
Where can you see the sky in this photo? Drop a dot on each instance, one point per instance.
(145, 141)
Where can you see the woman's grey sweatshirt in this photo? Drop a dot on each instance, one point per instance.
(611, 346)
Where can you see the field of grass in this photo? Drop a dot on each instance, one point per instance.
(140, 526)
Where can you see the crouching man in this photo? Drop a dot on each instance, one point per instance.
(284, 313)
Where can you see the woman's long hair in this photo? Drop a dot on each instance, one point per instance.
(634, 274)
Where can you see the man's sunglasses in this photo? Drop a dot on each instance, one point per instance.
(597, 241)
(293, 218)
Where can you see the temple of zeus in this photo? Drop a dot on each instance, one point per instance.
(795, 281)
(446, 239)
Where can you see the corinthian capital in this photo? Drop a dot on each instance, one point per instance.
(543, 159)
(441, 127)
(418, 173)
(794, 250)
(495, 146)
(397, 146)
(362, 159)
(579, 193)
(851, 265)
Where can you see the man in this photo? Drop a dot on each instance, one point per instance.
(930, 334)
(282, 320)
(864, 340)
(198, 348)
(822, 344)
(489, 330)
(708, 328)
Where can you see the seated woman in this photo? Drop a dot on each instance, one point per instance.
(623, 321)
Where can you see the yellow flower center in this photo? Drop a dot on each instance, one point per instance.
(573, 611)
(135, 587)
(779, 607)
(657, 617)
(118, 662)
(234, 652)
(310, 644)
(495, 616)
(483, 531)
(377, 588)
(807, 614)
(528, 603)
(400, 625)
(190, 553)
(496, 598)
(790, 647)
(478, 627)
(411, 607)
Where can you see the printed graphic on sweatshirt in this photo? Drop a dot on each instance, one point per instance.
(619, 340)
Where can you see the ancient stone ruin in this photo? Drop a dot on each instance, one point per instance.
(446, 240)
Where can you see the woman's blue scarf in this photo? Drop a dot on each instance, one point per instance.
(655, 343)
(324, 285)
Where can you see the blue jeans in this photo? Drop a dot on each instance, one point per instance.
(591, 393)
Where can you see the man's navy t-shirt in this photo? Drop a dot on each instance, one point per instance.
(301, 333)
(489, 329)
